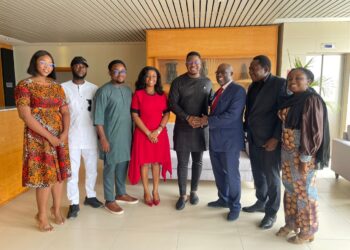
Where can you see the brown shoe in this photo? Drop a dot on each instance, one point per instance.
(125, 198)
(113, 208)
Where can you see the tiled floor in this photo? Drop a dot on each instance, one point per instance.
(164, 228)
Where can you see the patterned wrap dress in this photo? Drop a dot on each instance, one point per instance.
(301, 145)
(43, 164)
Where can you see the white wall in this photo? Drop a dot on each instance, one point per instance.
(98, 56)
(302, 39)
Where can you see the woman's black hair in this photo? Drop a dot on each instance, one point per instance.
(32, 69)
(141, 80)
(309, 75)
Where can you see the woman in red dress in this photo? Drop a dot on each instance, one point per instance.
(150, 146)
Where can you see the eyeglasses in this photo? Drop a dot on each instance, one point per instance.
(45, 64)
(90, 104)
(119, 72)
(196, 62)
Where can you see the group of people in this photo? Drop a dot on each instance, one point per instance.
(286, 127)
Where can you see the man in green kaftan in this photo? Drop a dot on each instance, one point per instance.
(112, 119)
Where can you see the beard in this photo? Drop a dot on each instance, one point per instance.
(78, 77)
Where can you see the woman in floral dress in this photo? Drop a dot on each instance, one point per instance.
(305, 148)
(41, 104)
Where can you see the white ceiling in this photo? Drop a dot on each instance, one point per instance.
(126, 20)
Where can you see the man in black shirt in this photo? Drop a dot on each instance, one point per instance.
(189, 100)
(263, 129)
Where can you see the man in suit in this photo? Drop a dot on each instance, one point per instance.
(189, 100)
(264, 131)
(226, 140)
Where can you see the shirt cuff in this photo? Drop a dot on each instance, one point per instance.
(305, 158)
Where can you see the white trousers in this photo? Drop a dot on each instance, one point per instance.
(90, 157)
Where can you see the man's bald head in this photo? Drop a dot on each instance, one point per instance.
(224, 73)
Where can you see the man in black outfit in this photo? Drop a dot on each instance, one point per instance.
(189, 100)
(263, 129)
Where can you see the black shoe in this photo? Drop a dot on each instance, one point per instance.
(218, 203)
(180, 204)
(194, 198)
(73, 211)
(95, 203)
(268, 221)
(257, 207)
(232, 215)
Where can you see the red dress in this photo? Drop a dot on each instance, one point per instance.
(150, 109)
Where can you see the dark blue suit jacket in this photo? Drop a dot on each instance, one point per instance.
(226, 121)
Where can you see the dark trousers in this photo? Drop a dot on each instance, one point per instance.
(183, 158)
(266, 174)
(114, 177)
(227, 177)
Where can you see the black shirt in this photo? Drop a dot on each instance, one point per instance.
(254, 90)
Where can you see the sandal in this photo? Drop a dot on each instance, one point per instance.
(59, 220)
(148, 202)
(284, 231)
(156, 201)
(43, 227)
(300, 240)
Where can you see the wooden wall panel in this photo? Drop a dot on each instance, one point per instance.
(212, 43)
(11, 151)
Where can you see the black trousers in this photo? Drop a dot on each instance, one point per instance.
(183, 158)
(266, 174)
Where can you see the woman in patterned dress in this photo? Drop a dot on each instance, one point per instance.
(305, 147)
(41, 104)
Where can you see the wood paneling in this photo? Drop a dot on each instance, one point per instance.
(214, 45)
(11, 152)
(2, 95)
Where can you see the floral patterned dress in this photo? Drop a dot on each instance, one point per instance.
(300, 196)
(43, 164)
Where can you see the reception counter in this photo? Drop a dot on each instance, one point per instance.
(11, 149)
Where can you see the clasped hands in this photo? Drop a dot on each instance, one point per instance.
(197, 121)
(153, 136)
(58, 141)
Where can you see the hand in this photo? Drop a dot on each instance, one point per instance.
(204, 121)
(153, 136)
(194, 121)
(54, 141)
(64, 137)
(105, 145)
(304, 167)
(271, 144)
